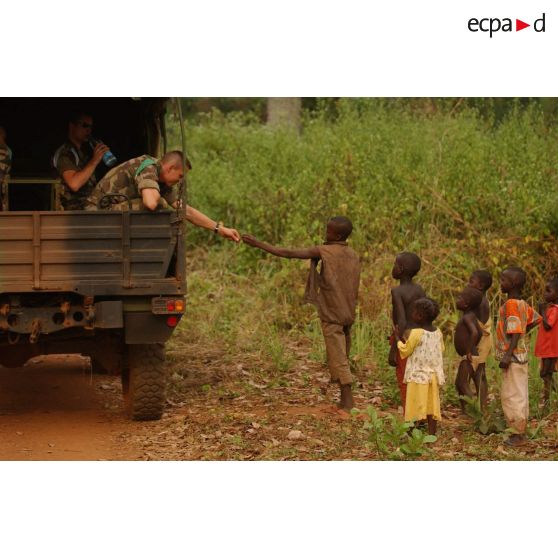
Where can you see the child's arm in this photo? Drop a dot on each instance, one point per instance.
(470, 321)
(406, 348)
(506, 359)
(300, 253)
(399, 316)
(535, 321)
(542, 312)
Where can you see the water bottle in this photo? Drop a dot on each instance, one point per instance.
(108, 158)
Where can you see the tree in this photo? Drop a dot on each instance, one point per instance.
(284, 112)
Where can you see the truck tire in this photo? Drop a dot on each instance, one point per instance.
(97, 368)
(146, 382)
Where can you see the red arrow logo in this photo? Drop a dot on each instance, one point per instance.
(519, 25)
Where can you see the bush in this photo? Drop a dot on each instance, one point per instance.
(464, 189)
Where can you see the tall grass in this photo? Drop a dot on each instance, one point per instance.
(463, 190)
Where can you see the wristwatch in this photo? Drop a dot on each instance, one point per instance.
(218, 225)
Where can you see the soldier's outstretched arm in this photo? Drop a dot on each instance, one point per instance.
(200, 220)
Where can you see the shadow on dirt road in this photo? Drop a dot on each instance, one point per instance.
(53, 408)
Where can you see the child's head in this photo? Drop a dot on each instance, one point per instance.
(424, 311)
(481, 280)
(512, 278)
(407, 264)
(551, 291)
(469, 299)
(338, 229)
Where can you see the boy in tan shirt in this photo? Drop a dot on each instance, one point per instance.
(334, 291)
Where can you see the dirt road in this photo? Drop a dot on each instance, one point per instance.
(54, 409)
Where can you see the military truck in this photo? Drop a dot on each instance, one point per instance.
(106, 284)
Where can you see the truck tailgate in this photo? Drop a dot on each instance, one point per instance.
(87, 251)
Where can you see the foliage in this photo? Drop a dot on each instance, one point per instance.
(464, 184)
(489, 421)
(463, 192)
(394, 438)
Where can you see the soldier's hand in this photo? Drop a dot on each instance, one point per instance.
(231, 234)
(98, 151)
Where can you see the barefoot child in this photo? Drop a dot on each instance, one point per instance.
(466, 338)
(515, 319)
(334, 291)
(406, 266)
(547, 339)
(482, 280)
(424, 372)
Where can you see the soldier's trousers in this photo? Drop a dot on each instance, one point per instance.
(338, 346)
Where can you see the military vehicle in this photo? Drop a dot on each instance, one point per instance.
(106, 284)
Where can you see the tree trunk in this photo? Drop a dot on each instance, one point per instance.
(284, 112)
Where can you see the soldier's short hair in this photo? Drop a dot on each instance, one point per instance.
(176, 156)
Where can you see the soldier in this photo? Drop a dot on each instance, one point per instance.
(76, 161)
(5, 167)
(148, 183)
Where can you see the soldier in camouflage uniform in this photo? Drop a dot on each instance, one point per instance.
(76, 161)
(150, 183)
(131, 179)
(5, 167)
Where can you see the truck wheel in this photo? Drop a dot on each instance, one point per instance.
(146, 382)
(97, 368)
(125, 373)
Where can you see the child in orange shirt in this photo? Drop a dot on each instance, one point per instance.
(515, 319)
(547, 339)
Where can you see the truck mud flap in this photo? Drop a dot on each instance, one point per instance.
(108, 314)
(144, 327)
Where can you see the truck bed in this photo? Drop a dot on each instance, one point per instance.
(91, 253)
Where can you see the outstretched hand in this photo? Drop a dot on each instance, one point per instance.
(230, 234)
(250, 240)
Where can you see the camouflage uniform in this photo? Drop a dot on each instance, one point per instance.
(130, 178)
(5, 167)
(69, 158)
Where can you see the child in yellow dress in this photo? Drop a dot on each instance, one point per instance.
(424, 372)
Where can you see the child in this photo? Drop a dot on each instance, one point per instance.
(482, 280)
(334, 291)
(466, 338)
(424, 372)
(547, 339)
(515, 319)
(406, 266)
